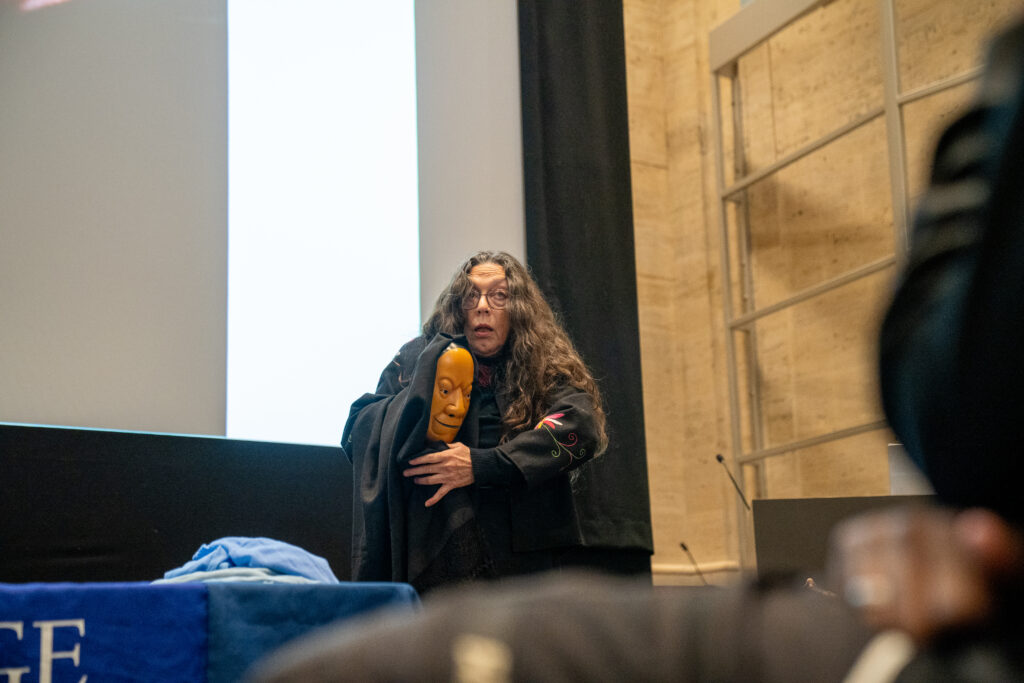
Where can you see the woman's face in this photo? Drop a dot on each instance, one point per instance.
(487, 327)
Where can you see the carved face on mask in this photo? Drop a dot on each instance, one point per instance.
(453, 383)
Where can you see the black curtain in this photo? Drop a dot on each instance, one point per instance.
(579, 241)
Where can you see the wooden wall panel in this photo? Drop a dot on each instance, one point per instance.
(645, 82)
(817, 363)
(832, 341)
(937, 39)
(825, 71)
(757, 105)
(655, 255)
(685, 397)
(855, 466)
(822, 217)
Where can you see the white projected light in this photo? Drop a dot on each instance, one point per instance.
(323, 275)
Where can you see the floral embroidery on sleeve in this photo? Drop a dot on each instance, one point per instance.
(550, 423)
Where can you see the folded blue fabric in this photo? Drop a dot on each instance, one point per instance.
(242, 551)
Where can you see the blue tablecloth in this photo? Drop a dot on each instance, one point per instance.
(170, 632)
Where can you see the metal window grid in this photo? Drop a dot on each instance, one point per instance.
(728, 43)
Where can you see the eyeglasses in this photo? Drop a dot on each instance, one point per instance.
(497, 298)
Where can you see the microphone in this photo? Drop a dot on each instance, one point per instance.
(694, 561)
(720, 459)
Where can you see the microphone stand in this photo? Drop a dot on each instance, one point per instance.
(721, 460)
(694, 561)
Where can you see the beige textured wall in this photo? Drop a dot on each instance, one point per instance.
(685, 393)
(814, 220)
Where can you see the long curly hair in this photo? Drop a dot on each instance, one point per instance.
(539, 356)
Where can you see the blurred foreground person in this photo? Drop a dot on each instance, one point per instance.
(952, 377)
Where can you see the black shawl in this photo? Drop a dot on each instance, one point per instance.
(394, 537)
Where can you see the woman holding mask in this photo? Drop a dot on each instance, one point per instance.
(496, 500)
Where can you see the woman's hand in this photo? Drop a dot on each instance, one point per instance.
(451, 468)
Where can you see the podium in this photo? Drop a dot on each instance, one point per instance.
(791, 534)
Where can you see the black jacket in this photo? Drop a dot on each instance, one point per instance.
(395, 538)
